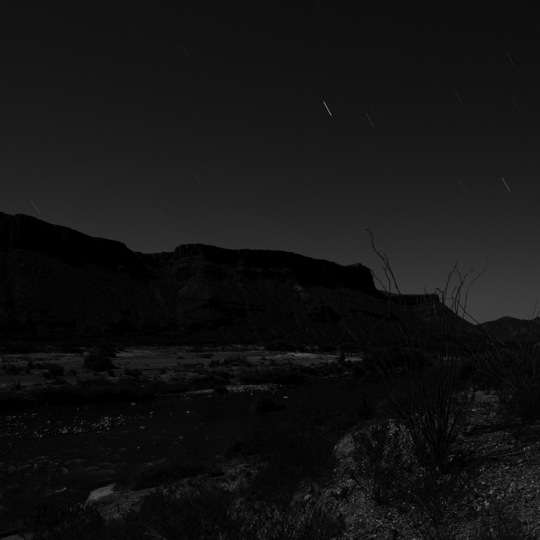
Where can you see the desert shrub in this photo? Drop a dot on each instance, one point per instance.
(220, 388)
(236, 360)
(200, 514)
(372, 365)
(107, 348)
(436, 506)
(55, 370)
(387, 468)
(98, 361)
(516, 380)
(423, 395)
(287, 519)
(379, 459)
(132, 372)
(468, 369)
(427, 405)
(12, 369)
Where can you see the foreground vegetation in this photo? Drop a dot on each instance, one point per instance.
(407, 452)
(285, 497)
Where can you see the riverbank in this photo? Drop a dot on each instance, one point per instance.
(79, 447)
(136, 374)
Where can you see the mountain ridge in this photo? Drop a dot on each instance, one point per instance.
(59, 282)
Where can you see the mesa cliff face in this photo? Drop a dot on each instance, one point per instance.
(57, 283)
(32, 234)
(307, 272)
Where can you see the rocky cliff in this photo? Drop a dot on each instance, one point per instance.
(32, 234)
(305, 271)
(59, 283)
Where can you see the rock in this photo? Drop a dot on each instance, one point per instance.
(100, 495)
(114, 505)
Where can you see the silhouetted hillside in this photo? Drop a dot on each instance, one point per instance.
(510, 328)
(57, 283)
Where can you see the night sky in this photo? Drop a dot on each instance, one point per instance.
(289, 126)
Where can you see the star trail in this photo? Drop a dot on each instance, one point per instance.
(288, 126)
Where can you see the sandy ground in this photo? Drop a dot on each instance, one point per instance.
(152, 361)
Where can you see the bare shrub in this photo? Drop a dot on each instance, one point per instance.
(435, 506)
(515, 376)
(98, 361)
(379, 460)
(425, 399)
(427, 405)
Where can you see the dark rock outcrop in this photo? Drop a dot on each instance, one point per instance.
(32, 234)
